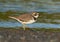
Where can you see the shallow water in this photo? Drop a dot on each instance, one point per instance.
(34, 25)
(40, 5)
(48, 6)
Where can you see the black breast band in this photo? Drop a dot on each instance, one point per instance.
(34, 18)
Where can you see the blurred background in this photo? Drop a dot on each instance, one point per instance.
(49, 12)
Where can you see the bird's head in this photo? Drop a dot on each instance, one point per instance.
(35, 14)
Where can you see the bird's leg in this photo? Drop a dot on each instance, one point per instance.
(24, 26)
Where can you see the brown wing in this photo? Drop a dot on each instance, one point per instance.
(25, 17)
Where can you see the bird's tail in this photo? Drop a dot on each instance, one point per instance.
(11, 17)
(15, 18)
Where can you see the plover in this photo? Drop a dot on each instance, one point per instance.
(26, 18)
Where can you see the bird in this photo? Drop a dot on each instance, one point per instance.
(26, 18)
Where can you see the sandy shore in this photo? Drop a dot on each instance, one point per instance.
(19, 35)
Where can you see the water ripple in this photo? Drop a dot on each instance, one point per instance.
(34, 25)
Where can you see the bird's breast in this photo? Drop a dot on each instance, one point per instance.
(29, 22)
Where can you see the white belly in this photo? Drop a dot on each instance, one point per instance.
(29, 22)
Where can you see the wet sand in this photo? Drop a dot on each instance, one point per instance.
(29, 35)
